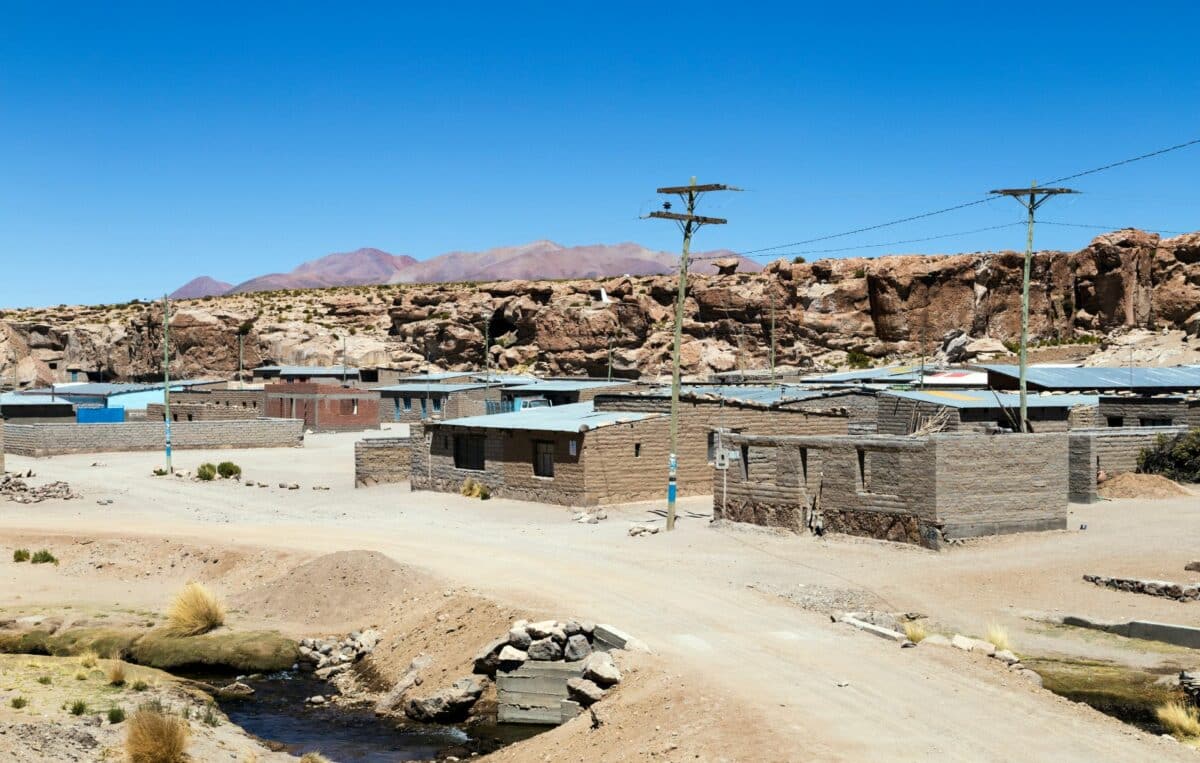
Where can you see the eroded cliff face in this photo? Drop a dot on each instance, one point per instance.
(895, 305)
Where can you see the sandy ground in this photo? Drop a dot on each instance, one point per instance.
(737, 618)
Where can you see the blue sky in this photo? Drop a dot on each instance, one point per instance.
(144, 144)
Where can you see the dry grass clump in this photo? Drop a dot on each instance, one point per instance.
(1180, 720)
(116, 673)
(195, 610)
(473, 488)
(314, 757)
(997, 636)
(915, 631)
(88, 659)
(153, 736)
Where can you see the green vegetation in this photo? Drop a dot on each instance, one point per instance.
(473, 488)
(43, 556)
(1176, 458)
(249, 652)
(798, 260)
(115, 715)
(860, 273)
(44, 680)
(206, 472)
(21, 555)
(140, 685)
(18, 702)
(228, 469)
(1014, 345)
(1126, 693)
(160, 472)
(856, 358)
(78, 707)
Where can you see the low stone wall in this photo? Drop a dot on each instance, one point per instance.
(382, 460)
(200, 412)
(39, 440)
(1114, 450)
(1164, 588)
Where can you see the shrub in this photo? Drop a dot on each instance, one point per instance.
(88, 659)
(21, 555)
(997, 636)
(915, 631)
(860, 273)
(314, 757)
(116, 673)
(44, 680)
(206, 472)
(160, 472)
(470, 488)
(1179, 720)
(195, 610)
(43, 557)
(81, 675)
(228, 469)
(140, 685)
(856, 358)
(152, 736)
(485, 492)
(798, 260)
(18, 702)
(115, 715)
(1176, 458)
(210, 717)
(78, 707)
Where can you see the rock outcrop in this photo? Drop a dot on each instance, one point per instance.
(894, 305)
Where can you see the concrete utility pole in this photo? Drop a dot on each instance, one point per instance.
(689, 223)
(1031, 198)
(167, 380)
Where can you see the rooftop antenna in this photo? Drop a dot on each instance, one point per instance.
(1031, 198)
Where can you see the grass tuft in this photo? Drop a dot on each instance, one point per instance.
(1179, 720)
(43, 556)
(18, 702)
(44, 680)
(78, 707)
(228, 470)
(116, 673)
(997, 636)
(21, 555)
(88, 659)
(314, 757)
(140, 685)
(152, 736)
(115, 715)
(195, 610)
(206, 472)
(915, 631)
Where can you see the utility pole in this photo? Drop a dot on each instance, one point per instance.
(771, 350)
(343, 359)
(487, 345)
(167, 380)
(689, 223)
(1031, 198)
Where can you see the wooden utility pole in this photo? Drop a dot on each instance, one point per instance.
(689, 223)
(1031, 198)
(167, 380)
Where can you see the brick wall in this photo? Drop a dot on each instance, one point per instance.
(1114, 450)
(382, 460)
(324, 407)
(1139, 411)
(57, 439)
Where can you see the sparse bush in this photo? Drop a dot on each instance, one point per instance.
(21, 555)
(43, 556)
(160, 472)
(1179, 720)
(228, 469)
(195, 610)
(44, 680)
(18, 702)
(1176, 457)
(314, 757)
(485, 492)
(860, 273)
(140, 685)
(206, 472)
(116, 673)
(997, 636)
(798, 260)
(210, 717)
(81, 675)
(78, 707)
(115, 715)
(88, 659)
(470, 488)
(152, 736)
(856, 358)
(915, 631)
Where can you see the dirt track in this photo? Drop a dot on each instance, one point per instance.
(705, 600)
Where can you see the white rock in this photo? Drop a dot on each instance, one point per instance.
(962, 642)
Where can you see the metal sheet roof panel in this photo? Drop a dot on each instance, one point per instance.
(572, 418)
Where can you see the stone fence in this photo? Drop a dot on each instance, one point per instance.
(1114, 450)
(380, 460)
(39, 440)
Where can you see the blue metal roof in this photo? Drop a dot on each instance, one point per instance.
(435, 376)
(563, 385)
(763, 394)
(317, 371)
(431, 388)
(1178, 378)
(896, 374)
(17, 398)
(976, 398)
(574, 418)
(509, 379)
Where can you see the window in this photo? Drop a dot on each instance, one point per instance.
(1148, 421)
(1116, 421)
(543, 458)
(424, 413)
(745, 462)
(863, 477)
(804, 466)
(348, 406)
(408, 403)
(637, 450)
(712, 447)
(437, 405)
(468, 452)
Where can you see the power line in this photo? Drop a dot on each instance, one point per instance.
(1131, 160)
(1112, 227)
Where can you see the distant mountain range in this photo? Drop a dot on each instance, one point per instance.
(532, 261)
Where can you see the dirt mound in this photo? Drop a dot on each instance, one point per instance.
(1131, 485)
(338, 591)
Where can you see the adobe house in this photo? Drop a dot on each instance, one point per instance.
(323, 407)
(920, 490)
(1148, 411)
(421, 401)
(558, 392)
(35, 409)
(902, 412)
(570, 454)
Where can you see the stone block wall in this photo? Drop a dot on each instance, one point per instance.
(2, 426)
(39, 440)
(199, 412)
(382, 460)
(1114, 450)
(896, 415)
(1129, 411)
(455, 405)
(227, 398)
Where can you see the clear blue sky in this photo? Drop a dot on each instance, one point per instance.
(142, 144)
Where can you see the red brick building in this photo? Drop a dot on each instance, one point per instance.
(324, 407)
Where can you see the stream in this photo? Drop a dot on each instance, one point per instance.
(277, 713)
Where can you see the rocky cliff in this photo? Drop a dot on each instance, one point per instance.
(890, 306)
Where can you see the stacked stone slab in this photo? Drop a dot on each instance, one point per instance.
(382, 460)
(38, 440)
(1164, 588)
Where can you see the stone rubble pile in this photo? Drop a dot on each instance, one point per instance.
(17, 490)
(326, 658)
(1164, 588)
(590, 517)
(1189, 681)
(544, 641)
(637, 530)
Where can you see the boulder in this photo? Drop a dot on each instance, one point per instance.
(577, 648)
(985, 345)
(601, 669)
(510, 655)
(236, 689)
(545, 650)
(583, 691)
(545, 629)
(486, 661)
(962, 642)
(519, 637)
(450, 704)
(1007, 657)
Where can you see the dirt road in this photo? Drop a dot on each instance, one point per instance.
(706, 600)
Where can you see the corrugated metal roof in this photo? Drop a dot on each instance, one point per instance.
(977, 398)
(15, 398)
(1179, 378)
(563, 385)
(418, 388)
(575, 417)
(512, 379)
(317, 370)
(888, 373)
(434, 376)
(763, 394)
